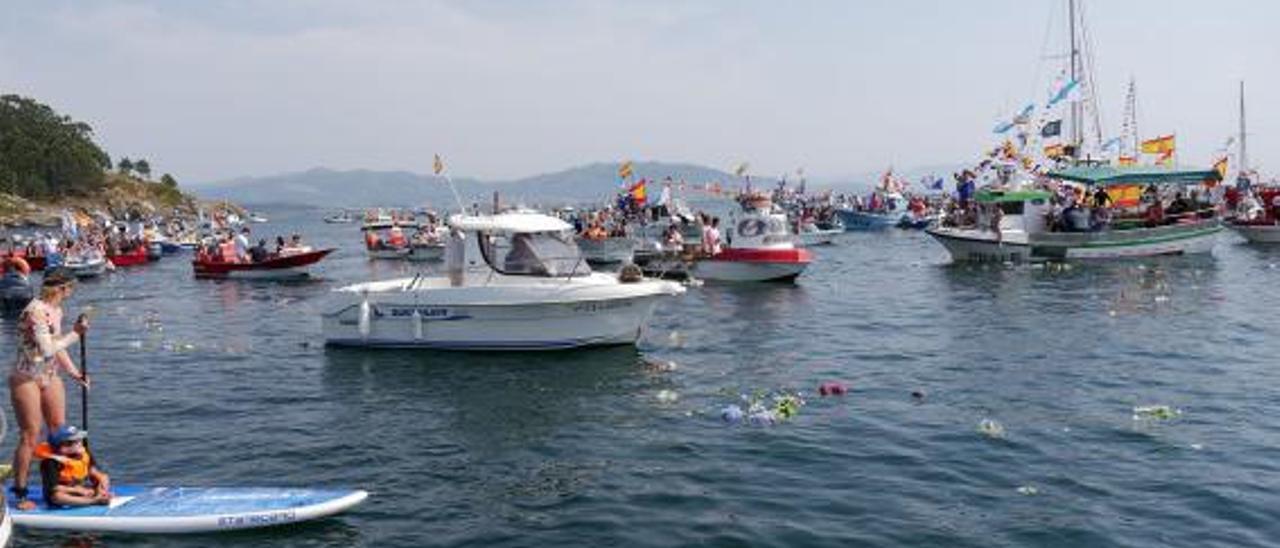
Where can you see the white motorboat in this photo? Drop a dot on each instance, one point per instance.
(812, 235)
(761, 249)
(88, 265)
(524, 286)
(341, 217)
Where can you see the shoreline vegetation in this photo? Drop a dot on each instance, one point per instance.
(49, 163)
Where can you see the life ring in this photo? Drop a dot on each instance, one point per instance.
(17, 263)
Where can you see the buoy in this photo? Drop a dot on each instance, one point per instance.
(832, 388)
(417, 325)
(365, 313)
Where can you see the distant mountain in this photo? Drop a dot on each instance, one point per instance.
(329, 188)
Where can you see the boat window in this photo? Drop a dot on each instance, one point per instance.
(548, 254)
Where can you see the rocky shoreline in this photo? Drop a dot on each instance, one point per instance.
(121, 197)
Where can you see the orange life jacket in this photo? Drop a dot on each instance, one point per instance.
(74, 470)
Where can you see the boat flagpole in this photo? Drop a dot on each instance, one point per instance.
(1244, 150)
(438, 168)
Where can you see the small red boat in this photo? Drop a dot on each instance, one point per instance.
(134, 257)
(290, 265)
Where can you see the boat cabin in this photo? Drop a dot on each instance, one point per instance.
(520, 244)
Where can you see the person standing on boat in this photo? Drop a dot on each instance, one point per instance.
(242, 245)
(35, 388)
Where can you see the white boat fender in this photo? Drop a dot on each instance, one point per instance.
(417, 325)
(365, 313)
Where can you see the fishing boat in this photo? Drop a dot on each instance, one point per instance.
(761, 248)
(36, 262)
(1026, 233)
(605, 251)
(282, 266)
(1261, 226)
(133, 257)
(258, 218)
(886, 211)
(524, 286)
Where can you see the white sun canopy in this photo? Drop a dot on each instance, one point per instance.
(509, 222)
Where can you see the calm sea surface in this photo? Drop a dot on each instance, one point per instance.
(228, 383)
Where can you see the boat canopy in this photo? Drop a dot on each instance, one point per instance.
(509, 223)
(990, 195)
(1121, 175)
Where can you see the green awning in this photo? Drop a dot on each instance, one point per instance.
(1126, 175)
(989, 195)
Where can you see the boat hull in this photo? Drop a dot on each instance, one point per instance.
(863, 220)
(420, 253)
(90, 269)
(753, 265)
(394, 253)
(1257, 233)
(133, 258)
(278, 268)
(818, 237)
(489, 327)
(979, 246)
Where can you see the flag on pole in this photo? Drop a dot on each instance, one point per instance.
(624, 170)
(637, 192)
(1127, 161)
(1160, 145)
(1063, 93)
(1221, 167)
(1166, 158)
(742, 169)
(1054, 151)
(438, 165)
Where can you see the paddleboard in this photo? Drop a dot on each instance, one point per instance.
(136, 509)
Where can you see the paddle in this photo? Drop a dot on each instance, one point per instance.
(84, 388)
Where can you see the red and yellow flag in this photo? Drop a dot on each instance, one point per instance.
(1125, 195)
(1165, 158)
(1054, 151)
(624, 170)
(1159, 145)
(638, 192)
(1127, 161)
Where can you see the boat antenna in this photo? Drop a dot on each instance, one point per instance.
(1244, 150)
(1074, 77)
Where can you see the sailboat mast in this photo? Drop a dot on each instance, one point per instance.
(1075, 75)
(1244, 150)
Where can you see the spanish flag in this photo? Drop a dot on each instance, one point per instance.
(624, 170)
(1165, 158)
(638, 192)
(1054, 151)
(438, 166)
(1221, 167)
(1125, 195)
(1127, 161)
(1159, 145)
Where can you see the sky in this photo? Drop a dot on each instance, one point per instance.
(502, 89)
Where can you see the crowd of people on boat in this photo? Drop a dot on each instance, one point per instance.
(238, 247)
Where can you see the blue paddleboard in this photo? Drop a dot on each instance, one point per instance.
(190, 509)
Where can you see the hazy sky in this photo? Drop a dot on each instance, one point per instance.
(211, 89)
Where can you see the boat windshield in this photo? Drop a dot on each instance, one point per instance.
(549, 254)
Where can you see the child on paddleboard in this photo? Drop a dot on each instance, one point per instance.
(67, 472)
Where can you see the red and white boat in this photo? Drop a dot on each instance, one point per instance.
(762, 248)
(285, 266)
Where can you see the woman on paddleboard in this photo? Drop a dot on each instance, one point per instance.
(35, 387)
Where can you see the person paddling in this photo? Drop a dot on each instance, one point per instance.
(35, 388)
